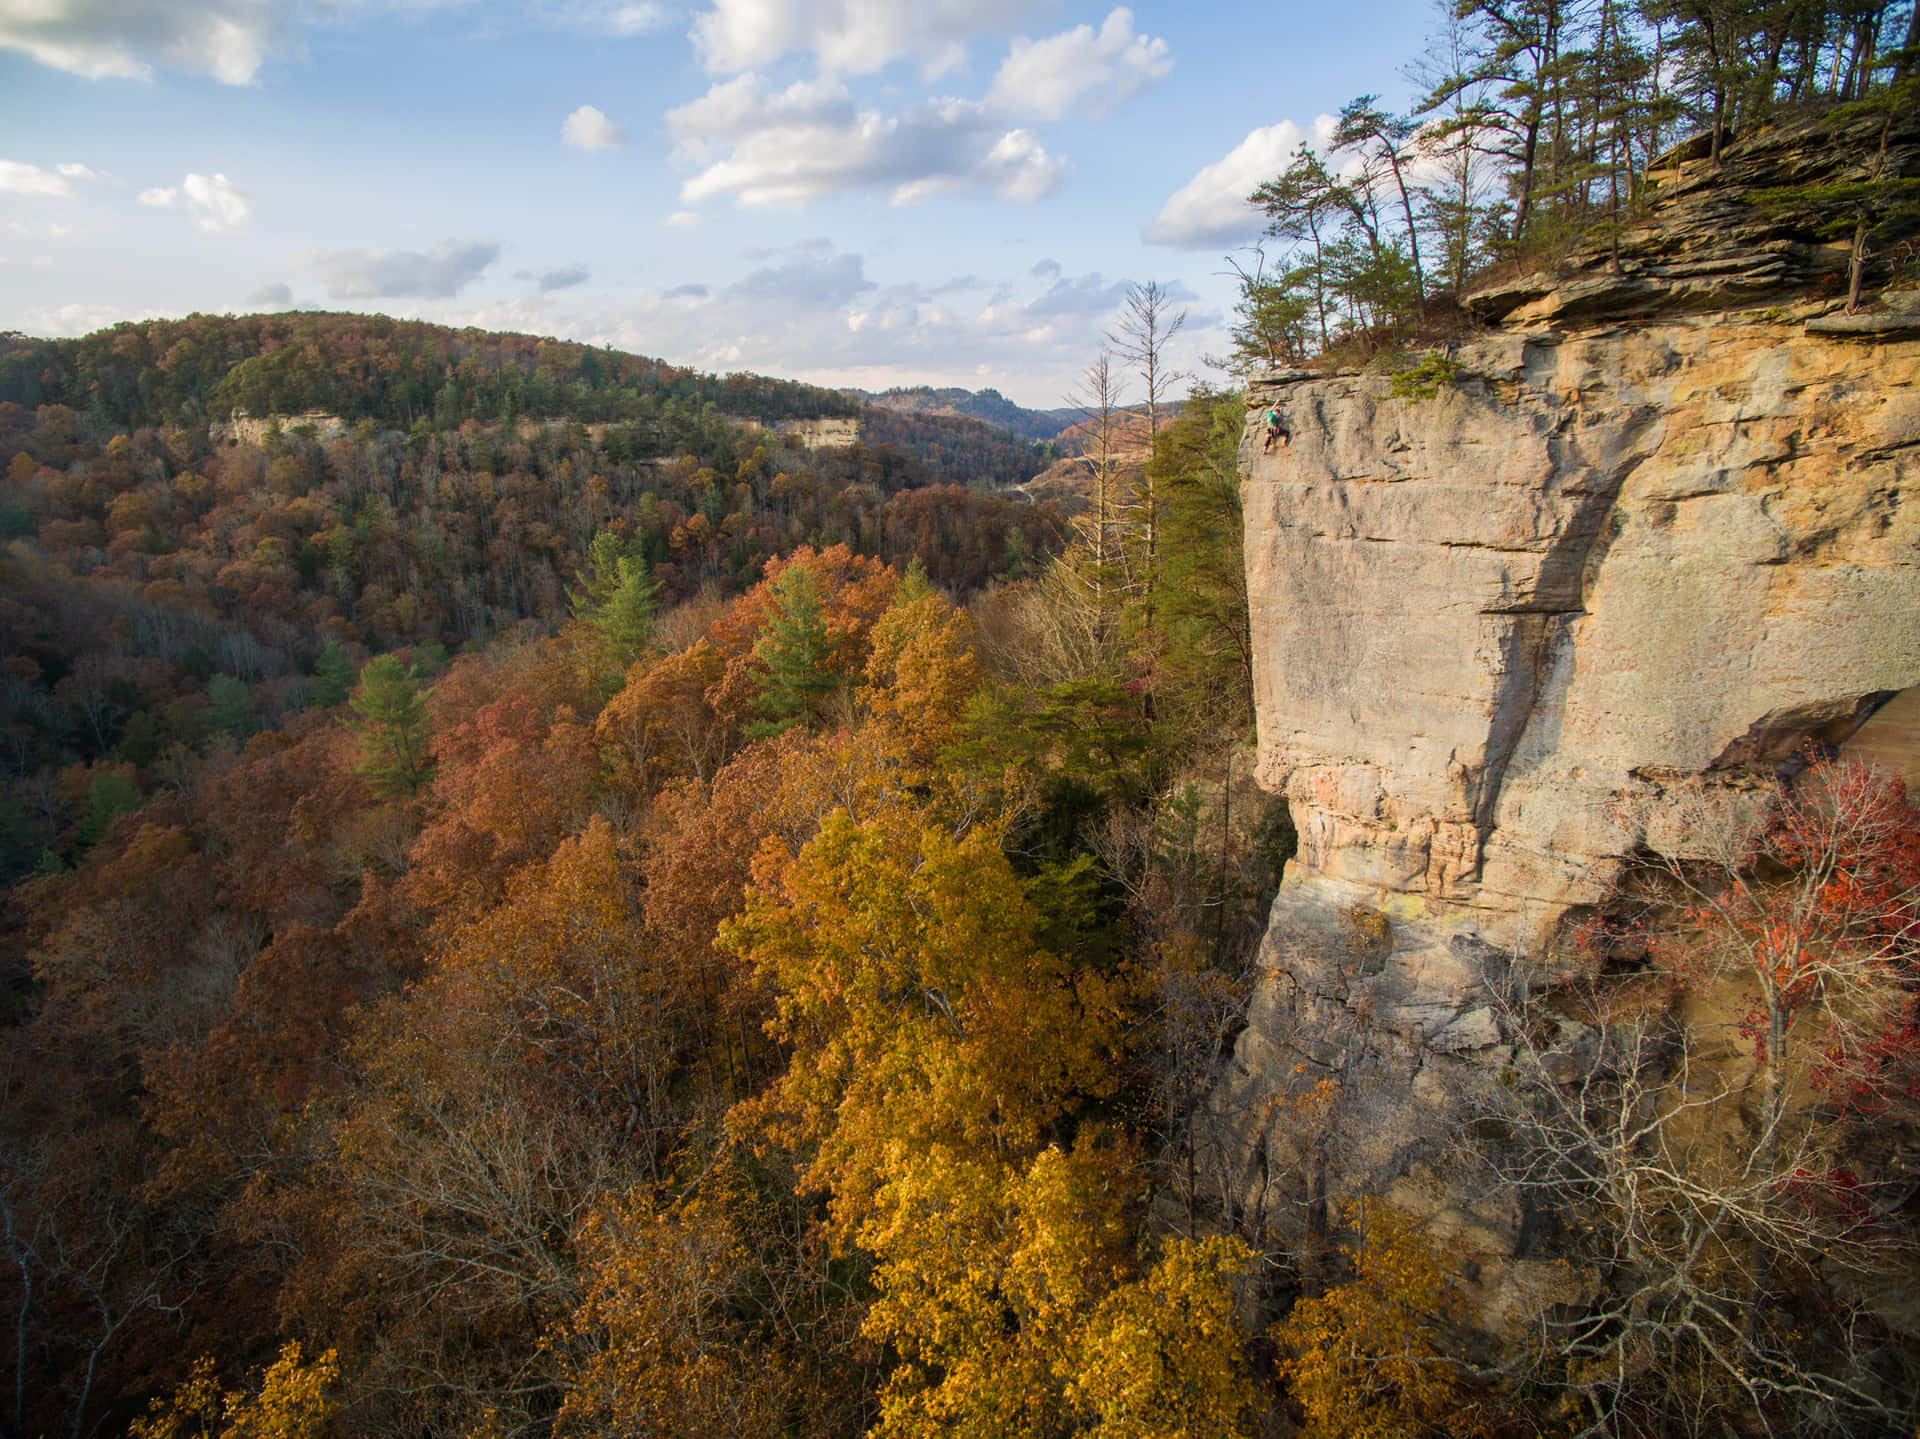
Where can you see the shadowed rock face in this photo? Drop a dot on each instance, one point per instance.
(1604, 559)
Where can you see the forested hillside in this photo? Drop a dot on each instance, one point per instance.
(169, 585)
(418, 1007)
(558, 911)
(402, 374)
(394, 372)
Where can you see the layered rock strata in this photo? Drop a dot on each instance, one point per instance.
(1611, 553)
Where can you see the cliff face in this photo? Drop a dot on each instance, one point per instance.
(1613, 552)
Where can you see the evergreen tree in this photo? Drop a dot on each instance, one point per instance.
(1383, 142)
(229, 708)
(1208, 660)
(333, 675)
(111, 795)
(1304, 205)
(1271, 323)
(617, 598)
(392, 720)
(795, 648)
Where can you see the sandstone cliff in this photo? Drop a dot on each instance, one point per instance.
(1663, 522)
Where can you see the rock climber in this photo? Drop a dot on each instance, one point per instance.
(1276, 431)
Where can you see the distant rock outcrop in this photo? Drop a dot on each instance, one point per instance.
(990, 407)
(822, 434)
(245, 429)
(1663, 523)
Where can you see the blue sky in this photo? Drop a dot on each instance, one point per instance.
(859, 192)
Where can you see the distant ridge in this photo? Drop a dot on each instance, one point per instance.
(345, 368)
(988, 406)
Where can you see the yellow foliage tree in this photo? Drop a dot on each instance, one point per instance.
(663, 1352)
(1011, 1295)
(920, 671)
(940, 1055)
(918, 1004)
(1363, 1359)
(1162, 1358)
(986, 1275)
(291, 1403)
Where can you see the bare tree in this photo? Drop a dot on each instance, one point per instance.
(1146, 327)
(1699, 1125)
(1099, 399)
(90, 1266)
(23, 1241)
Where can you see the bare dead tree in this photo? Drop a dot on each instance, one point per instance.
(1100, 400)
(1147, 325)
(1692, 1124)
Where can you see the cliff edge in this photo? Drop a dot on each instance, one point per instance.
(1663, 522)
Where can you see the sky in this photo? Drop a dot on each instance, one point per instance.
(851, 192)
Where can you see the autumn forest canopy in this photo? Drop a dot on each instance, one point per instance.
(432, 744)
(544, 898)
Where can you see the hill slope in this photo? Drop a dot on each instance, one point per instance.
(988, 406)
(402, 374)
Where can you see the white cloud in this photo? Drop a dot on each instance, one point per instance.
(1052, 77)
(681, 218)
(50, 231)
(817, 313)
(127, 39)
(439, 273)
(276, 296)
(80, 319)
(1211, 209)
(588, 129)
(621, 19)
(784, 148)
(219, 206)
(19, 178)
(1018, 167)
(734, 109)
(851, 36)
(76, 172)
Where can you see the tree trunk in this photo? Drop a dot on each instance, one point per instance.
(1856, 266)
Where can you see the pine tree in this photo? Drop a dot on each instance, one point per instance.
(333, 675)
(795, 648)
(112, 794)
(1271, 323)
(1208, 661)
(617, 598)
(1862, 208)
(1304, 205)
(229, 707)
(1383, 142)
(392, 720)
